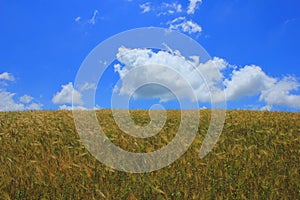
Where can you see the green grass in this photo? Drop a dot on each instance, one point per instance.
(256, 157)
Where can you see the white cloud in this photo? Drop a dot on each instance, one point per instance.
(252, 80)
(66, 107)
(280, 93)
(34, 106)
(8, 100)
(193, 6)
(203, 108)
(87, 86)
(66, 95)
(145, 7)
(169, 8)
(177, 7)
(247, 81)
(180, 73)
(266, 108)
(77, 19)
(161, 9)
(26, 99)
(180, 23)
(93, 19)
(211, 71)
(7, 76)
(184, 25)
(8, 103)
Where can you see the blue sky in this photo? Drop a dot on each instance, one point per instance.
(43, 43)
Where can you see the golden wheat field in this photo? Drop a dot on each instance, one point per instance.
(256, 157)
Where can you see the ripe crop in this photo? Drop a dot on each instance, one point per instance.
(256, 157)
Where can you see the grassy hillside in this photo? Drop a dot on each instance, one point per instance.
(256, 157)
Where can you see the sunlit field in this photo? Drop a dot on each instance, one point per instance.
(256, 157)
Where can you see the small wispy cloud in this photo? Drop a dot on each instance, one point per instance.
(77, 19)
(180, 23)
(7, 76)
(184, 25)
(26, 98)
(169, 8)
(93, 19)
(193, 6)
(87, 86)
(162, 8)
(146, 7)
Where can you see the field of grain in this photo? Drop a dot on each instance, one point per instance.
(256, 157)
